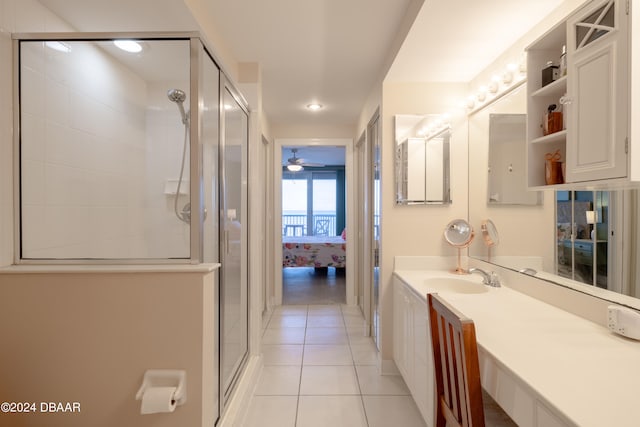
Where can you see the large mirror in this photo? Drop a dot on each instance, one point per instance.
(583, 239)
(507, 179)
(422, 160)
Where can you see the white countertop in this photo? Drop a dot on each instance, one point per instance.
(581, 369)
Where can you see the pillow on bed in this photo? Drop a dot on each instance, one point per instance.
(344, 234)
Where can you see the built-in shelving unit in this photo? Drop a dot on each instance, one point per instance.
(593, 98)
(539, 53)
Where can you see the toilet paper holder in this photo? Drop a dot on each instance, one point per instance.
(165, 378)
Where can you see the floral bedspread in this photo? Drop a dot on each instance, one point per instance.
(313, 251)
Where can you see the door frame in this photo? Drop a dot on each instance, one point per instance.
(347, 143)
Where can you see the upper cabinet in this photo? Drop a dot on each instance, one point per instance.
(578, 102)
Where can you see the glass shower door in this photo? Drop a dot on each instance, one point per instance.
(233, 218)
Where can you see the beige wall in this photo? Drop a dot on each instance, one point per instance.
(88, 338)
(416, 230)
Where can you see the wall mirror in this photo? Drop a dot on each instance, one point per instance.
(507, 181)
(583, 239)
(422, 160)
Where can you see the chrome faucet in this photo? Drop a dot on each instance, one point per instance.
(490, 279)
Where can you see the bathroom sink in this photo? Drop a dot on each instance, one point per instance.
(455, 285)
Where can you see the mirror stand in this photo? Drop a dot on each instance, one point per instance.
(459, 234)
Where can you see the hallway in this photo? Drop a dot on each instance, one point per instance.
(319, 370)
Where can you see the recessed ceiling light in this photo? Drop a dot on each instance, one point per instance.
(128, 45)
(314, 107)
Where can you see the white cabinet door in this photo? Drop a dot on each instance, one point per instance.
(598, 85)
(412, 347)
(403, 333)
(423, 390)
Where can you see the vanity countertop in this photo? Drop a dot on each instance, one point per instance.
(579, 368)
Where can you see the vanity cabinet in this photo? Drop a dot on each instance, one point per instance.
(412, 351)
(413, 355)
(592, 97)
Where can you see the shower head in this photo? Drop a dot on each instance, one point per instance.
(178, 96)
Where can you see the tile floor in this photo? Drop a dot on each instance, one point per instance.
(320, 370)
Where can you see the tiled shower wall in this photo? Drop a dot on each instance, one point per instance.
(83, 154)
(103, 144)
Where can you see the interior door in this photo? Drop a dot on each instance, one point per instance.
(361, 289)
(233, 218)
(373, 140)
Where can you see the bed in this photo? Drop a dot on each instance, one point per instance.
(313, 251)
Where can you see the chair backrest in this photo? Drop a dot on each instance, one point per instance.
(457, 371)
(322, 227)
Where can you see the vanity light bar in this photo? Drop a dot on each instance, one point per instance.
(512, 74)
(500, 84)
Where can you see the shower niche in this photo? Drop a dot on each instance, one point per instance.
(125, 155)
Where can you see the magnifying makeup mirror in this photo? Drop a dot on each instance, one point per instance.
(490, 235)
(459, 234)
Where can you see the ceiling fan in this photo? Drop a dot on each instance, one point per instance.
(296, 164)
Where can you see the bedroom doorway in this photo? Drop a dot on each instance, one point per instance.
(313, 221)
(313, 185)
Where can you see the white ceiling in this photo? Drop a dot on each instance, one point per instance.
(331, 51)
(453, 40)
(326, 51)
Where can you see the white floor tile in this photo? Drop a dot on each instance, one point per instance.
(325, 321)
(282, 354)
(356, 336)
(317, 309)
(271, 411)
(291, 310)
(371, 382)
(327, 354)
(354, 322)
(279, 380)
(326, 336)
(328, 380)
(334, 411)
(292, 321)
(351, 310)
(385, 411)
(284, 336)
(365, 353)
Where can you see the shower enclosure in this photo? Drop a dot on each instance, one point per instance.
(132, 149)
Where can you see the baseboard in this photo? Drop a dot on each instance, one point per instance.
(239, 403)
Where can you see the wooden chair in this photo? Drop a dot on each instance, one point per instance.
(457, 370)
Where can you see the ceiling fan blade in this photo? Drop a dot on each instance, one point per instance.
(319, 165)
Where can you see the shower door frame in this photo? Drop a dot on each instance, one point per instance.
(225, 392)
